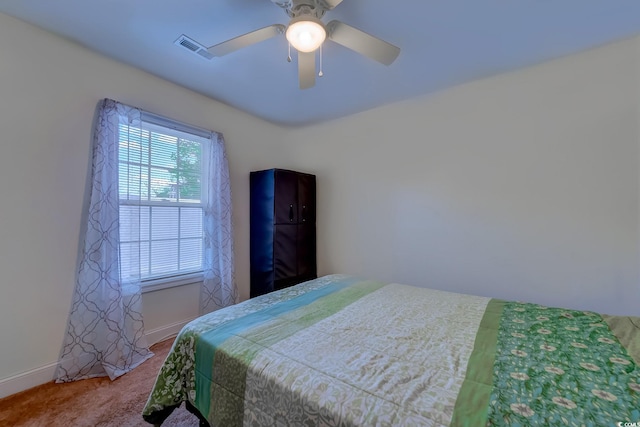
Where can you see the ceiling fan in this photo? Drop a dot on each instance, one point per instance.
(306, 32)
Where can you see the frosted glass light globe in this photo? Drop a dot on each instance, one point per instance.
(306, 33)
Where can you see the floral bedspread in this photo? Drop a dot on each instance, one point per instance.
(341, 351)
(561, 367)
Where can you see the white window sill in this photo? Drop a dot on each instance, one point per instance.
(170, 282)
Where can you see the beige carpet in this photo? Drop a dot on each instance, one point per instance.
(94, 402)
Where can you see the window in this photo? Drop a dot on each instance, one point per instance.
(162, 197)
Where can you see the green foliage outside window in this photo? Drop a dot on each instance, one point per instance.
(186, 176)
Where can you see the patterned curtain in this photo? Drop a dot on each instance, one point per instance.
(219, 288)
(105, 334)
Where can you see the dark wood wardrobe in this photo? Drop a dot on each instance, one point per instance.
(283, 229)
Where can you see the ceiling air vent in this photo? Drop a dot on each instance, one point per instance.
(193, 46)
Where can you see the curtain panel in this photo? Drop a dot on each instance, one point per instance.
(219, 287)
(105, 330)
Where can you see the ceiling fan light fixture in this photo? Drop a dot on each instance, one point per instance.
(306, 33)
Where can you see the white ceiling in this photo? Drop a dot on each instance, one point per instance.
(443, 43)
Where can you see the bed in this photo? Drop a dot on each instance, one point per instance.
(344, 351)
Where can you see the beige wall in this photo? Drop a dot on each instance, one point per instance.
(520, 186)
(49, 89)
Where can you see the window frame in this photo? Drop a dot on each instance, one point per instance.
(153, 123)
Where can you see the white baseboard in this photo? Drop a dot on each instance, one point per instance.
(46, 373)
(27, 380)
(166, 331)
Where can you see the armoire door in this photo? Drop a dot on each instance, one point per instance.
(306, 199)
(285, 257)
(286, 197)
(306, 249)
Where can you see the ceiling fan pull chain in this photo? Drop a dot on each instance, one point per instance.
(289, 57)
(320, 74)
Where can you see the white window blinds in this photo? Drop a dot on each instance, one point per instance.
(161, 199)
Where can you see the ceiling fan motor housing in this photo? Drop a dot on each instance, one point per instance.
(295, 8)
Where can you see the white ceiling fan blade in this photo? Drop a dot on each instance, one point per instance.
(245, 40)
(361, 42)
(307, 69)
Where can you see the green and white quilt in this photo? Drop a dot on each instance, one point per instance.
(341, 351)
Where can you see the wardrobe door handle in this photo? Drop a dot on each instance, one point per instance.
(304, 213)
(290, 213)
